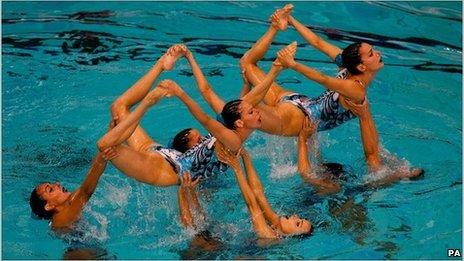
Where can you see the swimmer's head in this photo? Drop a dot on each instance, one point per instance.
(294, 225)
(361, 57)
(240, 114)
(46, 197)
(186, 139)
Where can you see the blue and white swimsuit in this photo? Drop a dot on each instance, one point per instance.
(325, 109)
(200, 160)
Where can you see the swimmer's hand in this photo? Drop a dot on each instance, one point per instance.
(244, 153)
(286, 56)
(171, 88)
(109, 153)
(186, 52)
(279, 19)
(308, 128)
(225, 155)
(360, 110)
(187, 183)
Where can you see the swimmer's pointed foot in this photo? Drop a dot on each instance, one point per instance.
(279, 19)
(170, 57)
(155, 95)
(286, 56)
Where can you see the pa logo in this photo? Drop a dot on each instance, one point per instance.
(454, 253)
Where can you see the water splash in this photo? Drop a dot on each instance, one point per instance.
(392, 165)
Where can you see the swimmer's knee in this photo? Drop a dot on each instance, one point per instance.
(119, 108)
(246, 60)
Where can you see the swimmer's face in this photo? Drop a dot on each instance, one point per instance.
(53, 193)
(249, 115)
(371, 58)
(294, 225)
(194, 137)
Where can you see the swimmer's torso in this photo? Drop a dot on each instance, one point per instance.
(200, 160)
(326, 110)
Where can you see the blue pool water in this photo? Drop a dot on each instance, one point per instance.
(63, 64)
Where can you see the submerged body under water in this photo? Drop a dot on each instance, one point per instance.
(64, 63)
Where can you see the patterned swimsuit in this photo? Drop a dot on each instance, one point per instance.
(200, 160)
(325, 109)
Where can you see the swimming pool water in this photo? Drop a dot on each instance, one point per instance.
(63, 63)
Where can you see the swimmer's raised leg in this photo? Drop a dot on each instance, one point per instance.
(370, 141)
(259, 49)
(138, 91)
(142, 165)
(261, 46)
(323, 185)
(120, 108)
(125, 128)
(248, 62)
(171, 56)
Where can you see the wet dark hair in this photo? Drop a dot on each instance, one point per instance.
(231, 113)
(38, 206)
(180, 141)
(351, 57)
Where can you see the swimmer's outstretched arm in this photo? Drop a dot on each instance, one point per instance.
(372, 151)
(120, 133)
(188, 201)
(304, 165)
(313, 39)
(347, 88)
(323, 185)
(85, 191)
(81, 196)
(262, 229)
(260, 226)
(258, 191)
(226, 136)
(214, 101)
(184, 210)
(369, 134)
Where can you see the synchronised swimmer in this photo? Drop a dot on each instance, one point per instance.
(266, 106)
